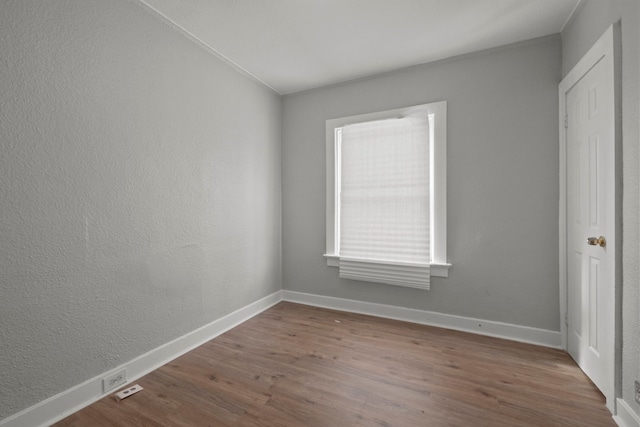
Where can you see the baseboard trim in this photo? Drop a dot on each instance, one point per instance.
(508, 331)
(69, 401)
(625, 416)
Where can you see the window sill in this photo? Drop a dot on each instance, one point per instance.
(437, 269)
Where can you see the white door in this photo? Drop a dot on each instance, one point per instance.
(590, 224)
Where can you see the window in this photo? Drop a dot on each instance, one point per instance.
(386, 195)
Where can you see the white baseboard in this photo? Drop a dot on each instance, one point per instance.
(467, 324)
(625, 416)
(69, 401)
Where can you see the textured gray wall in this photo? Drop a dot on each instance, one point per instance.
(502, 183)
(592, 21)
(139, 191)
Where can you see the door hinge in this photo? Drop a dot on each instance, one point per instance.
(566, 121)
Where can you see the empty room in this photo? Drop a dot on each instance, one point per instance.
(320, 213)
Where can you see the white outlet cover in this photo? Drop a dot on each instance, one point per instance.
(114, 380)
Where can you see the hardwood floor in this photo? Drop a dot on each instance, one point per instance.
(295, 365)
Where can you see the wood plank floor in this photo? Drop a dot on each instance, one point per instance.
(295, 365)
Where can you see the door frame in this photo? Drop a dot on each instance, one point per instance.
(605, 50)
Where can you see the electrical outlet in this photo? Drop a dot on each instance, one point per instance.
(114, 380)
(637, 391)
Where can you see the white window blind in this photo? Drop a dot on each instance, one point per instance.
(384, 201)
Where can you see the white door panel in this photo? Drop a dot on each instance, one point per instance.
(590, 213)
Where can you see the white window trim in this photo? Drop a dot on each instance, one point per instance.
(438, 169)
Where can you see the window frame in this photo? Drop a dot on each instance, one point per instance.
(438, 180)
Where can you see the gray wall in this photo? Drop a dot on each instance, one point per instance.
(502, 183)
(139, 195)
(592, 21)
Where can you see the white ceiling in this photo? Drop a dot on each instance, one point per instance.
(294, 45)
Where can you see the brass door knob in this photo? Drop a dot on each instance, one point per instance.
(600, 241)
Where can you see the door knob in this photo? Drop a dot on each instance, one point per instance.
(600, 241)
